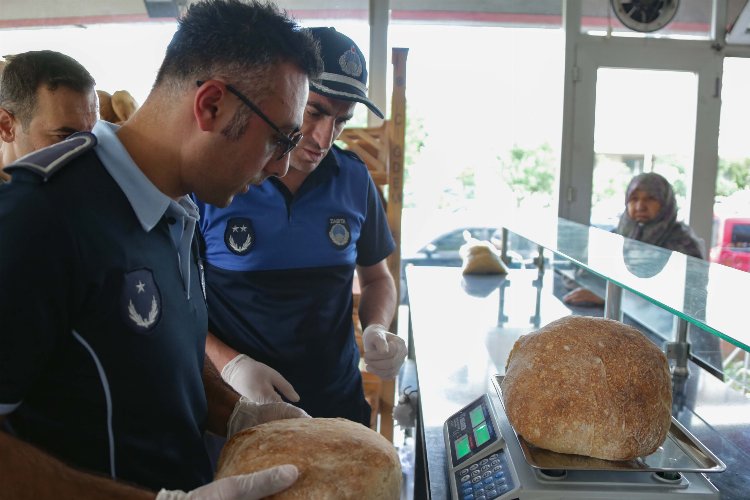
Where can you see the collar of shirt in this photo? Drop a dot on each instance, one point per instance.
(327, 168)
(149, 204)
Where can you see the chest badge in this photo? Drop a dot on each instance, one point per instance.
(338, 231)
(239, 235)
(141, 300)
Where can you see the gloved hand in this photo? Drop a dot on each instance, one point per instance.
(245, 487)
(384, 351)
(248, 413)
(257, 381)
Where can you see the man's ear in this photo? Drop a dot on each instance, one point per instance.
(210, 101)
(7, 126)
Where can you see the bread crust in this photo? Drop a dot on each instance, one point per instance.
(589, 386)
(105, 106)
(123, 105)
(336, 458)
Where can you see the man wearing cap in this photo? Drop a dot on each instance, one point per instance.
(105, 388)
(279, 287)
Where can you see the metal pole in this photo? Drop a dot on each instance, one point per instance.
(679, 350)
(378, 65)
(540, 259)
(613, 302)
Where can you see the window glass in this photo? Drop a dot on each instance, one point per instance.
(733, 179)
(640, 128)
(115, 57)
(741, 237)
(484, 119)
(451, 241)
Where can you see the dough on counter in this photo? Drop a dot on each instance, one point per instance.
(481, 257)
(336, 458)
(589, 386)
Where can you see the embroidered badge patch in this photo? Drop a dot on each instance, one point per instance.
(338, 231)
(350, 63)
(239, 235)
(140, 301)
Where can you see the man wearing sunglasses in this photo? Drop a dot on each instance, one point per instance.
(105, 389)
(281, 260)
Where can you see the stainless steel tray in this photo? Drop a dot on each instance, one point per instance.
(680, 452)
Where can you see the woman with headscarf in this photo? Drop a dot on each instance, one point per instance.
(651, 217)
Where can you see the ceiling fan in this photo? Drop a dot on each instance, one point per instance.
(645, 16)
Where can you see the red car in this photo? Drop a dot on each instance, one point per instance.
(732, 243)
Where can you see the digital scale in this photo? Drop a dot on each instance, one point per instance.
(487, 460)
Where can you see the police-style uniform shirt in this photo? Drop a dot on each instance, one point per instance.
(103, 315)
(279, 276)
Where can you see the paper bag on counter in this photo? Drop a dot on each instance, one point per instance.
(481, 257)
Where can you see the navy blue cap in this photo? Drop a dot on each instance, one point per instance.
(344, 70)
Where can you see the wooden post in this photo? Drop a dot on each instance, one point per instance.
(396, 132)
(382, 150)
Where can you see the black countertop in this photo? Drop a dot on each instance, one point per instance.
(463, 328)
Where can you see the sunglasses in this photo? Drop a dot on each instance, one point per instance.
(284, 143)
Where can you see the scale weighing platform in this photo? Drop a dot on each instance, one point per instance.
(487, 460)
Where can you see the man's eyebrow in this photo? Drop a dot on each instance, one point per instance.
(320, 108)
(325, 111)
(65, 130)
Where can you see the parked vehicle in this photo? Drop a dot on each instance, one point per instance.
(732, 237)
(443, 250)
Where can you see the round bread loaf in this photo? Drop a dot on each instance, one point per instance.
(105, 107)
(124, 105)
(589, 386)
(336, 458)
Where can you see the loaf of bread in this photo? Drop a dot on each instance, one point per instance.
(336, 458)
(105, 107)
(589, 386)
(124, 105)
(481, 257)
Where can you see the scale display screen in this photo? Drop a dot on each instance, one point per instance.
(471, 430)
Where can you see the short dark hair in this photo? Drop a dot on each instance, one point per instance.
(24, 73)
(239, 41)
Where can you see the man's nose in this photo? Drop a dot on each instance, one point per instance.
(323, 133)
(278, 167)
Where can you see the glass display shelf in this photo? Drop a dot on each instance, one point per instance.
(704, 294)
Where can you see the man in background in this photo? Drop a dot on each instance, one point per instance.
(281, 261)
(105, 388)
(45, 96)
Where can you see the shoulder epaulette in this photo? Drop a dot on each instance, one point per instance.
(45, 162)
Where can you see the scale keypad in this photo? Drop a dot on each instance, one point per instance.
(486, 479)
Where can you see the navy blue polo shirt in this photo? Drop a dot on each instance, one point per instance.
(279, 273)
(103, 320)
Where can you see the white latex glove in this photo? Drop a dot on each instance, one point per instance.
(257, 381)
(245, 487)
(248, 413)
(384, 351)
